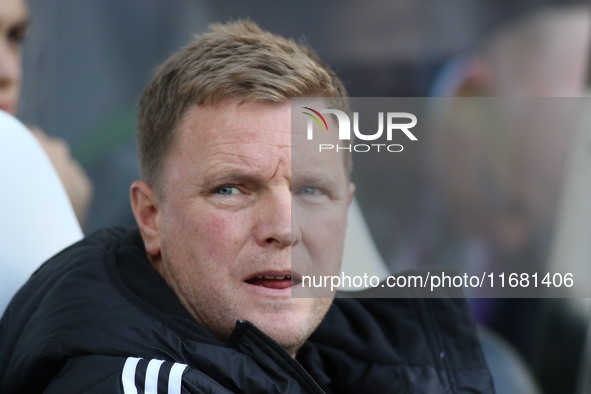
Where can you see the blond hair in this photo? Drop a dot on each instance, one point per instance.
(237, 60)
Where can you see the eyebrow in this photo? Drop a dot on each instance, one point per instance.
(230, 176)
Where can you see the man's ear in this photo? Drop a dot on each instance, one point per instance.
(476, 79)
(145, 206)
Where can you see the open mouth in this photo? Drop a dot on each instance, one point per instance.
(273, 280)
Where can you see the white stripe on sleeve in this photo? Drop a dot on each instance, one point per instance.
(128, 375)
(175, 378)
(151, 385)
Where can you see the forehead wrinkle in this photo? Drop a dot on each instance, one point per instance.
(243, 166)
(233, 143)
(232, 162)
(221, 127)
(246, 157)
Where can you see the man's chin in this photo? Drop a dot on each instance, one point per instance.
(291, 328)
(289, 335)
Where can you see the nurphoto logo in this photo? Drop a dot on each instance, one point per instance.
(395, 122)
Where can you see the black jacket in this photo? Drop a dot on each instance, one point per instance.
(98, 318)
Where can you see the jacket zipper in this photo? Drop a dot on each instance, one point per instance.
(279, 350)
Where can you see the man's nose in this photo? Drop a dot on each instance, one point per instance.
(274, 223)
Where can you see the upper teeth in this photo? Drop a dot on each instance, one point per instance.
(273, 277)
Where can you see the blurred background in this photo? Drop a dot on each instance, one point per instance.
(85, 64)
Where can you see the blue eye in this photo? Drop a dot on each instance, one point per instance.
(227, 190)
(310, 191)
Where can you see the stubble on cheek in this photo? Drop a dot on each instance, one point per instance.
(203, 299)
(199, 252)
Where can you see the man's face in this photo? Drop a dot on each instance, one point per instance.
(13, 25)
(224, 234)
